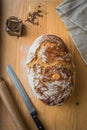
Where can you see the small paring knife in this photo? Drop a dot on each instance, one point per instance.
(24, 96)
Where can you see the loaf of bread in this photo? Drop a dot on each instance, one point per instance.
(50, 70)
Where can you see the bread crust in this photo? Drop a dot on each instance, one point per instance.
(50, 70)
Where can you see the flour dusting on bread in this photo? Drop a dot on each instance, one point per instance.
(51, 70)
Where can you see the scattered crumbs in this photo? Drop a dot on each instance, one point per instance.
(77, 103)
(45, 13)
(39, 6)
(33, 17)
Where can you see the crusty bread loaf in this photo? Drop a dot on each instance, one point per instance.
(50, 70)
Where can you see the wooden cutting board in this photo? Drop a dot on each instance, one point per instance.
(73, 114)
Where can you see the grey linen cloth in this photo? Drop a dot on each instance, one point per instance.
(74, 15)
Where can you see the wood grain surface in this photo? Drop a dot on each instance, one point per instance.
(70, 116)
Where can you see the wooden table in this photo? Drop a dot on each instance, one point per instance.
(70, 116)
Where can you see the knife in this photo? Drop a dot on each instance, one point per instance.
(24, 96)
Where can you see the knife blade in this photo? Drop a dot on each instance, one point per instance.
(24, 96)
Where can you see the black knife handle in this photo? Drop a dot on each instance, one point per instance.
(37, 121)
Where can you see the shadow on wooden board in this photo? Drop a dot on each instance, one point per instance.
(0, 30)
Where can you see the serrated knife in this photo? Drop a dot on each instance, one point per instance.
(24, 96)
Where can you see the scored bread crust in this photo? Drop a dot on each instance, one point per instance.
(50, 70)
